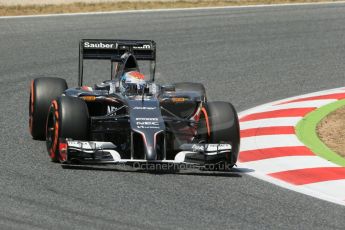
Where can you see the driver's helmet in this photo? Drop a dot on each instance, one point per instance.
(132, 82)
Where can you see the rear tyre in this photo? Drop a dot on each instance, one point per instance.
(42, 92)
(224, 127)
(68, 117)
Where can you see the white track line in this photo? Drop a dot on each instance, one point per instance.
(173, 9)
(270, 122)
(269, 141)
(281, 164)
(335, 188)
(301, 104)
(301, 189)
(260, 107)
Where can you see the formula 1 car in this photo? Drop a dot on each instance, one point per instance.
(129, 119)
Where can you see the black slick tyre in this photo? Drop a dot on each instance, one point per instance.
(224, 127)
(68, 117)
(42, 92)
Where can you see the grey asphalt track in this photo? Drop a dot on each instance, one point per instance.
(247, 56)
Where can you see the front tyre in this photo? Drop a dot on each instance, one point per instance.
(42, 92)
(224, 127)
(68, 117)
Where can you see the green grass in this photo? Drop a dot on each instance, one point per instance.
(306, 132)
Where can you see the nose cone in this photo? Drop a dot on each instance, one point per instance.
(146, 119)
(151, 153)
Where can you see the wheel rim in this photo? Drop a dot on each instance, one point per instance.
(52, 131)
(50, 135)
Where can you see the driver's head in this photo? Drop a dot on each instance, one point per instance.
(132, 82)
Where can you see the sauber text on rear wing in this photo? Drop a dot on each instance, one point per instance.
(112, 50)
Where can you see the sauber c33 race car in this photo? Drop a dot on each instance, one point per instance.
(129, 119)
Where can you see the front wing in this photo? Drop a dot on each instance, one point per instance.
(94, 152)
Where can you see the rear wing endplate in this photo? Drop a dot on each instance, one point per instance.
(113, 50)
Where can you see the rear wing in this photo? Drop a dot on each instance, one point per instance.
(113, 50)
